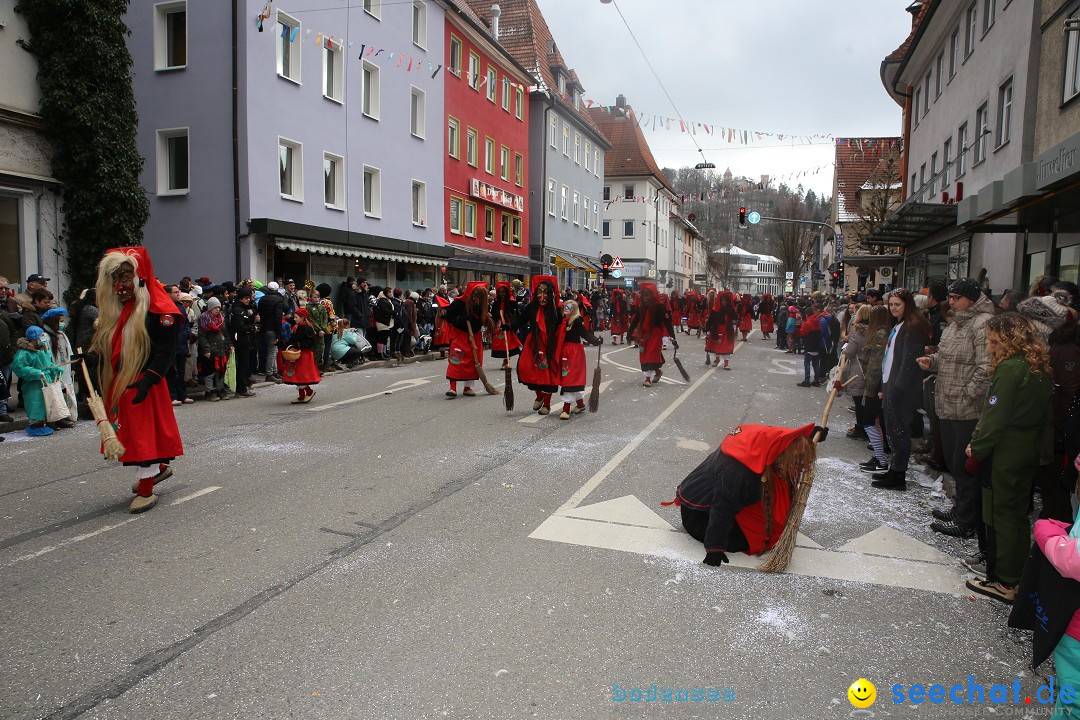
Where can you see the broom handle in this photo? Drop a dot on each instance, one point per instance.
(832, 397)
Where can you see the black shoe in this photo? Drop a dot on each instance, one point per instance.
(944, 515)
(873, 467)
(890, 480)
(976, 563)
(951, 528)
(939, 467)
(804, 383)
(856, 434)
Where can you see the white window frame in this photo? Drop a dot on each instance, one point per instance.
(628, 228)
(371, 82)
(506, 94)
(606, 193)
(565, 140)
(926, 92)
(954, 52)
(564, 203)
(915, 103)
(933, 173)
(596, 217)
(164, 161)
(296, 172)
(577, 148)
(492, 83)
(628, 190)
(460, 202)
(588, 206)
(596, 163)
(162, 11)
(504, 163)
(292, 72)
(453, 137)
(982, 120)
(961, 149)
(971, 24)
(1071, 80)
(489, 224)
(468, 221)
(947, 158)
(577, 208)
(338, 201)
(552, 185)
(472, 146)
(553, 132)
(418, 199)
(515, 230)
(519, 103)
(373, 8)
(374, 210)
(489, 156)
(417, 112)
(334, 57)
(519, 169)
(474, 70)
(1004, 118)
(989, 15)
(453, 62)
(419, 24)
(606, 226)
(588, 156)
(939, 73)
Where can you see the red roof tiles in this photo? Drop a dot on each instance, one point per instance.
(630, 154)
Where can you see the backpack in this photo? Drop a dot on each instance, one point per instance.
(425, 311)
(401, 316)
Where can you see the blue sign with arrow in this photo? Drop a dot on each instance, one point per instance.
(754, 218)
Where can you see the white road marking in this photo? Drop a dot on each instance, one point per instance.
(535, 418)
(407, 385)
(785, 366)
(194, 495)
(882, 557)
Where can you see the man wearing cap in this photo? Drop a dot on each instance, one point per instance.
(35, 282)
(241, 325)
(292, 300)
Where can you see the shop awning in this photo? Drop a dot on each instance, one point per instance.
(891, 260)
(478, 256)
(318, 248)
(911, 222)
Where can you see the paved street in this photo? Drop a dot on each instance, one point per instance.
(386, 552)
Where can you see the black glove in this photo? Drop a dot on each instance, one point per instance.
(822, 433)
(505, 326)
(715, 558)
(142, 387)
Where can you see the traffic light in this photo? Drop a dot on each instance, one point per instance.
(742, 216)
(840, 270)
(604, 271)
(834, 279)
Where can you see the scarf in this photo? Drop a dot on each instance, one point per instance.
(211, 323)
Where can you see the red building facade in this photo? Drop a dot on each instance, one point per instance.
(486, 136)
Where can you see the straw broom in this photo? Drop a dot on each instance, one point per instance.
(678, 365)
(508, 380)
(785, 546)
(111, 447)
(594, 396)
(476, 361)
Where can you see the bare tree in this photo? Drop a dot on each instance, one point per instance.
(791, 242)
(724, 268)
(878, 199)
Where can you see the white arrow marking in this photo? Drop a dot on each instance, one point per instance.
(408, 385)
(194, 495)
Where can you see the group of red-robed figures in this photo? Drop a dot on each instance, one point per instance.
(693, 310)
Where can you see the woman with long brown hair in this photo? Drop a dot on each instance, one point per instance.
(469, 312)
(739, 498)
(901, 380)
(870, 356)
(537, 366)
(1005, 447)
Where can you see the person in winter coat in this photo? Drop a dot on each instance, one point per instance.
(320, 322)
(34, 368)
(242, 331)
(348, 300)
(1062, 548)
(720, 328)
(650, 324)
(347, 348)
(538, 368)
(738, 499)
(384, 322)
(59, 347)
(467, 312)
(814, 332)
(962, 368)
(214, 349)
(871, 357)
(271, 309)
(8, 336)
(1005, 446)
(854, 379)
(901, 380)
(573, 366)
(84, 313)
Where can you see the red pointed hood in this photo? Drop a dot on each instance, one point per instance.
(726, 293)
(758, 446)
(473, 284)
(160, 302)
(441, 301)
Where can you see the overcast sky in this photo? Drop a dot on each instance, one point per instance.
(778, 66)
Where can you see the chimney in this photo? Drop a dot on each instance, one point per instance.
(914, 9)
(496, 11)
(620, 102)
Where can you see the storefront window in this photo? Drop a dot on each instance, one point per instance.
(1069, 263)
(1036, 266)
(9, 240)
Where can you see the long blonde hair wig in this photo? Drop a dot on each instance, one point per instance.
(135, 341)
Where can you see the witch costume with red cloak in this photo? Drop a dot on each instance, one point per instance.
(504, 344)
(746, 315)
(620, 315)
(130, 369)
(538, 366)
(733, 501)
(573, 366)
(440, 338)
(694, 304)
(720, 329)
(303, 372)
(471, 308)
(765, 314)
(650, 324)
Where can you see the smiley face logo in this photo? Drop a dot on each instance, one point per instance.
(862, 693)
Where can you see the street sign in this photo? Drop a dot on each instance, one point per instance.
(617, 264)
(605, 259)
(616, 274)
(629, 282)
(789, 286)
(789, 276)
(754, 217)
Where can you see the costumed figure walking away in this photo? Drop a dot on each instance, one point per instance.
(134, 346)
(765, 315)
(650, 324)
(503, 312)
(440, 340)
(538, 368)
(573, 366)
(746, 315)
(693, 313)
(720, 331)
(676, 305)
(297, 363)
(739, 498)
(620, 316)
(465, 348)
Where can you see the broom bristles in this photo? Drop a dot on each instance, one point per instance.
(682, 370)
(785, 546)
(594, 396)
(508, 389)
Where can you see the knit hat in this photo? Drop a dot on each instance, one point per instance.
(860, 298)
(272, 286)
(34, 333)
(966, 287)
(1046, 312)
(241, 293)
(213, 303)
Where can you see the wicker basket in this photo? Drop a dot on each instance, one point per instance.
(291, 354)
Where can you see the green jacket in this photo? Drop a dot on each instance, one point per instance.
(1014, 415)
(33, 367)
(871, 357)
